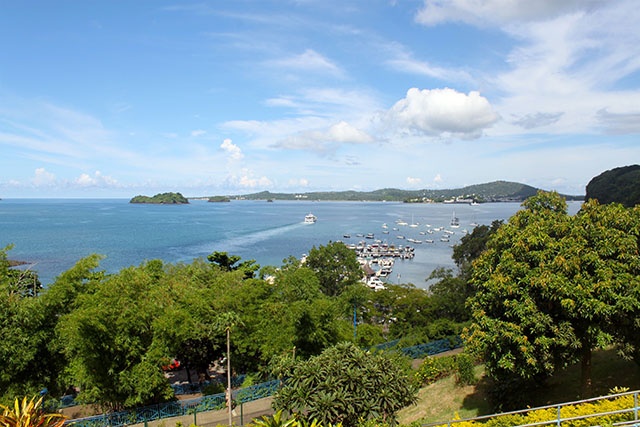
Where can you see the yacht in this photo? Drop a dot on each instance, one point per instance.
(310, 218)
(455, 222)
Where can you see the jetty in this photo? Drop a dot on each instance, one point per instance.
(380, 249)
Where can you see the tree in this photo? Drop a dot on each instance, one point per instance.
(346, 384)
(232, 263)
(109, 340)
(472, 245)
(336, 267)
(550, 288)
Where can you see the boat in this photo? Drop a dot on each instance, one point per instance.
(455, 222)
(310, 218)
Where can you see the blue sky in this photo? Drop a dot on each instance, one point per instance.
(119, 98)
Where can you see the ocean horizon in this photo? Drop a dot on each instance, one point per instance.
(51, 235)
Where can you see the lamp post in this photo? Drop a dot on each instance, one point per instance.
(229, 405)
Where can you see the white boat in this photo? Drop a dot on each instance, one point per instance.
(310, 218)
(455, 222)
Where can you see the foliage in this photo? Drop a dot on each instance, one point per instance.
(29, 413)
(497, 191)
(161, 198)
(434, 368)
(336, 267)
(109, 342)
(550, 288)
(472, 245)
(346, 384)
(465, 369)
(580, 414)
(619, 185)
(232, 263)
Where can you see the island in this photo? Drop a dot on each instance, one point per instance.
(219, 199)
(161, 199)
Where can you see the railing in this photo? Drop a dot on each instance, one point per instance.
(217, 401)
(174, 409)
(433, 347)
(623, 417)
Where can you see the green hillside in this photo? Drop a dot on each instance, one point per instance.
(619, 185)
(497, 191)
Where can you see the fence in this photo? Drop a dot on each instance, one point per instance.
(217, 401)
(627, 416)
(179, 408)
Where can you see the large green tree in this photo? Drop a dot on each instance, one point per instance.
(550, 287)
(109, 340)
(336, 266)
(347, 384)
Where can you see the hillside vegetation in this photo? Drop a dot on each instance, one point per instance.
(619, 185)
(497, 191)
(161, 199)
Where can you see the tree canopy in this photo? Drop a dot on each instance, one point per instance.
(551, 287)
(336, 267)
(618, 185)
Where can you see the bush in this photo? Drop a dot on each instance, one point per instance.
(434, 368)
(464, 369)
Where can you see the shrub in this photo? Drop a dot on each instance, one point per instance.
(464, 369)
(434, 368)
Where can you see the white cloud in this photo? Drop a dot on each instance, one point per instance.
(43, 178)
(442, 112)
(325, 139)
(411, 181)
(235, 153)
(300, 182)
(198, 132)
(437, 179)
(487, 12)
(97, 180)
(309, 60)
(247, 180)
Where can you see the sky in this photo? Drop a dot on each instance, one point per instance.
(114, 98)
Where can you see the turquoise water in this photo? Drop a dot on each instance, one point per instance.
(52, 234)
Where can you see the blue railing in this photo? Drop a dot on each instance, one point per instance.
(179, 408)
(217, 401)
(433, 347)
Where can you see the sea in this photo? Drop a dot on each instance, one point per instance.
(51, 235)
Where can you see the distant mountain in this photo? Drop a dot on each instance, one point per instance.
(619, 185)
(497, 191)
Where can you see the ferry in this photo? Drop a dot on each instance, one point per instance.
(310, 218)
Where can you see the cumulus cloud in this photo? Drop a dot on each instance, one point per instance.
(325, 139)
(246, 179)
(234, 152)
(442, 112)
(43, 178)
(413, 181)
(437, 179)
(97, 180)
(299, 182)
(485, 12)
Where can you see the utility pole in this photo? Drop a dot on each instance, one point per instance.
(229, 404)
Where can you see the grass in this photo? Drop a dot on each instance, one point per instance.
(444, 400)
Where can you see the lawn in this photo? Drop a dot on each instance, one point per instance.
(444, 400)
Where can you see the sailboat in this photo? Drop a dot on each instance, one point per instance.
(455, 222)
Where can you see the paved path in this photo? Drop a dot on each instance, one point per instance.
(243, 416)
